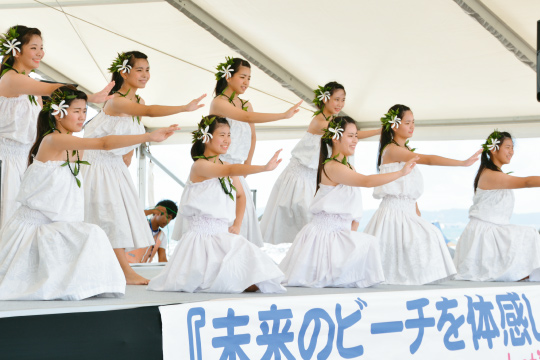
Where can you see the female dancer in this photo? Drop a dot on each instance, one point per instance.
(413, 251)
(328, 251)
(287, 210)
(111, 198)
(490, 248)
(20, 103)
(46, 251)
(233, 78)
(208, 257)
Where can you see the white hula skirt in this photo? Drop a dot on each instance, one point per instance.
(111, 201)
(492, 252)
(322, 256)
(43, 260)
(209, 259)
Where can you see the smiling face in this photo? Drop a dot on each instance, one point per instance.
(505, 152)
(31, 54)
(239, 81)
(74, 120)
(336, 102)
(406, 128)
(346, 144)
(221, 139)
(138, 75)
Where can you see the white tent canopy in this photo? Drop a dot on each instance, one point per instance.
(463, 66)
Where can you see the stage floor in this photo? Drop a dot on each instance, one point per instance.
(138, 296)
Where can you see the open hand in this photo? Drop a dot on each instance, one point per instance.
(473, 158)
(194, 104)
(274, 162)
(163, 133)
(409, 165)
(103, 95)
(292, 111)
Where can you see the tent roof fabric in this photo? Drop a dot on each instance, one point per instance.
(428, 54)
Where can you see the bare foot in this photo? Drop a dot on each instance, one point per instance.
(132, 278)
(252, 288)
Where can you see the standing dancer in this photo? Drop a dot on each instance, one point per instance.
(20, 103)
(209, 258)
(490, 248)
(287, 210)
(328, 251)
(413, 251)
(233, 78)
(46, 251)
(111, 197)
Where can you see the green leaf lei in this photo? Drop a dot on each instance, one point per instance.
(335, 158)
(118, 62)
(388, 120)
(138, 98)
(231, 99)
(228, 191)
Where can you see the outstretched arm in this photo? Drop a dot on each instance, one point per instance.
(223, 108)
(492, 180)
(341, 174)
(61, 142)
(125, 106)
(398, 154)
(210, 170)
(363, 134)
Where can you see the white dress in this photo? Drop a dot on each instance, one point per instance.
(46, 251)
(210, 259)
(326, 252)
(236, 154)
(18, 127)
(287, 210)
(492, 249)
(413, 251)
(111, 200)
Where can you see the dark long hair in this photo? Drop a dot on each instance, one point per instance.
(388, 135)
(221, 84)
(324, 153)
(333, 85)
(117, 78)
(486, 162)
(197, 149)
(45, 119)
(25, 34)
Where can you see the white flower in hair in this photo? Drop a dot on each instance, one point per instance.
(325, 96)
(226, 71)
(12, 46)
(494, 144)
(124, 67)
(60, 109)
(205, 136)
(337, 132)
(395, 122)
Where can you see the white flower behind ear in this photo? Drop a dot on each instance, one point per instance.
(12, 46)
(337, 132)
(205, 136)
(226, 71)
(60, 109)
(124, 67)
(325, 96)
(395, 122)
(494, 144)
